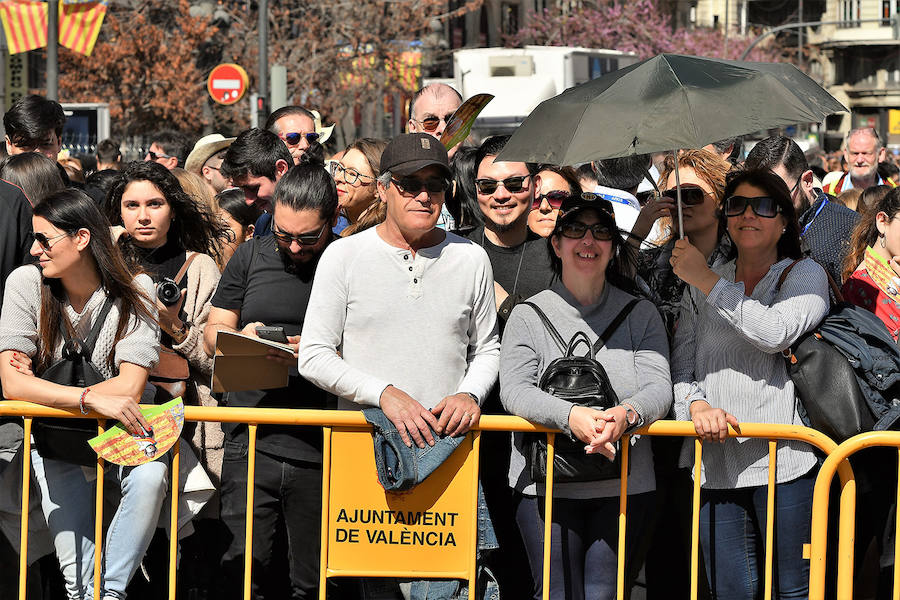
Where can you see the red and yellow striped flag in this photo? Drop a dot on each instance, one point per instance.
(79, 24)
(25, 24)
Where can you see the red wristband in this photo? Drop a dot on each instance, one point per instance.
(84, 409)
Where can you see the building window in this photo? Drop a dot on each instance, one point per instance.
(850, 12)
(889, 10)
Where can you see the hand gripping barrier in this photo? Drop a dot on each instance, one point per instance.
(341, 421)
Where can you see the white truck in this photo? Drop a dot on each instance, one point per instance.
(522, 78)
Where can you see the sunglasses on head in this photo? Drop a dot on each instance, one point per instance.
(431, 123)
(304, 239)
(414, 186)
(576, 229)
(763, 206)
(513, 185)
(691, 195)
(44, 241)
(554, 199)
(294, 138)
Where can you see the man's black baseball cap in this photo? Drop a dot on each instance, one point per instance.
(411, 152)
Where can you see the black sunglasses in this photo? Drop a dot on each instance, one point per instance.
(294, 138)
(576, 229)
(414, 186)
(554, 199)
(153, 155)
(44, 241)
(690, 195)
(763, 206)
(513, 185)
(304, 239)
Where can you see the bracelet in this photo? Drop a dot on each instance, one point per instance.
(84, 408)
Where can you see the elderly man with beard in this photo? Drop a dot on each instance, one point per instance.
(268, 282)
(863, 150)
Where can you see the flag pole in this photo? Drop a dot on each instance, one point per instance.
(53, 49)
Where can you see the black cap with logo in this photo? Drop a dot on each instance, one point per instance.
(411, 152)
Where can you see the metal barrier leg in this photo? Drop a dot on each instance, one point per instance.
(473, 565)
(248, 542)
(326, 496)
(548, 515)
(623, 508)
(23, 523)
(173, 521)
(695, 517)
(770, 521)
(98, 519)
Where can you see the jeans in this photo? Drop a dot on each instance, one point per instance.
(732, 536)
(67, 499)
(286, 504)
(585, 536)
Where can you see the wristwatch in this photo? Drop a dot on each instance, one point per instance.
(179, 333)
(472, 396)
(632, 418)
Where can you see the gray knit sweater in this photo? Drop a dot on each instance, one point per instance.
(21, 314)
(636, 359)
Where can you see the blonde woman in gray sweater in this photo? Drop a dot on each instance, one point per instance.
(588, 253)
(78, 270)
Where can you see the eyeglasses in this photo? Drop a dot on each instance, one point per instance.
(554, 199)
(691, 195)
(575, 230)
(411, 185)
(350, 176)
(155, 155)
(763, 206)
(293, 138)
(645, 196)
(44, 241)
(513, 185)
(304, 239)
(431, 123)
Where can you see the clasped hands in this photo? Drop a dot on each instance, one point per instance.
(454, 415)
(598, 429)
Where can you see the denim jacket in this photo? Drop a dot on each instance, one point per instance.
(401, 468)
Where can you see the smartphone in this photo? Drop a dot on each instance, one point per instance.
(273, 334)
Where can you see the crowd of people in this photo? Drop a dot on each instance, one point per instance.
(435, 285)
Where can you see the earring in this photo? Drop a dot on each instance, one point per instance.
(783, 230)
(881, 240)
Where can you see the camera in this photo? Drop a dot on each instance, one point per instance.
(168, 291)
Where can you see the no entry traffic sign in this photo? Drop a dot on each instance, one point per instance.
(227, 83)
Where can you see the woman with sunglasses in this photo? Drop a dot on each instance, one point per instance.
(702, 175)
(727, 368)
(553, 184)
(591, 259)
(79, 269)
(354, 176)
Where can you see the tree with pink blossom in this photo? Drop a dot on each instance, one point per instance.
(638, 26)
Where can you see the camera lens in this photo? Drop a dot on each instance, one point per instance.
(167, 291)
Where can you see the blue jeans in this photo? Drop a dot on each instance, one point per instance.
(67, 499)
(585, 536)
(732, 536)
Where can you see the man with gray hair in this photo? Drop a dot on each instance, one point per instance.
(863, 150)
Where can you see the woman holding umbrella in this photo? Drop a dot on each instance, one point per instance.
(727, 368)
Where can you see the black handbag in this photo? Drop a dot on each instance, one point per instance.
(67, 439)
(581, 380)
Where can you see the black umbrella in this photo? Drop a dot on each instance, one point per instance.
(667, 103)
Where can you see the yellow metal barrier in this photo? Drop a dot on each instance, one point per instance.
(837, 458)
(351, 419)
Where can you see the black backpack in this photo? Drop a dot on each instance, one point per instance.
(846, 372)
(67, 439)
(581, 380)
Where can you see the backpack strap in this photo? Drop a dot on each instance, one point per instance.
(183, 270)
(611, 329)
(554, 333)
(96, 327)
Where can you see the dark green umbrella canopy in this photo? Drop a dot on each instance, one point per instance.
(665, 103)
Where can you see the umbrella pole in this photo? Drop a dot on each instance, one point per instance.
(678, 197)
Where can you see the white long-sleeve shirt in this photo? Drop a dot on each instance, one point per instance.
(379, 315)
